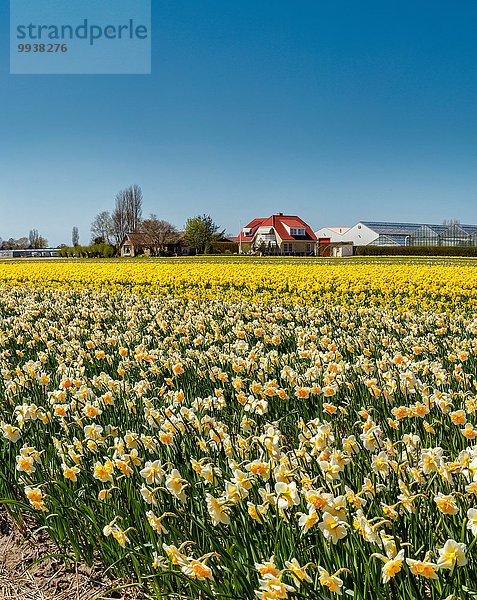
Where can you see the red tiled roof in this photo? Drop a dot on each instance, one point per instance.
(253, 225)
(278, 222)
(293, 222)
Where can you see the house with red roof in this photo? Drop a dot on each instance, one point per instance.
(279, 234)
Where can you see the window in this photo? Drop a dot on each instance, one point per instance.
(287, 248)
(308, 247)
(127, 249)
(297, 231)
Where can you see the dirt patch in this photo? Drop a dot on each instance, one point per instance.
(23, 578)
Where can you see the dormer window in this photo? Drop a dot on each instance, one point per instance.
(297, 231)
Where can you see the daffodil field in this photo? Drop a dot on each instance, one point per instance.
(275, 429)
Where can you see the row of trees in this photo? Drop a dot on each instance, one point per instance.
(108, 230)
(33, 241)
(91, 251)
(111, 228)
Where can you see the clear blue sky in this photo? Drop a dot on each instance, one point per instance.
(333, 110)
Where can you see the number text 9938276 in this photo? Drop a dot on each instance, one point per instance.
(42, 48)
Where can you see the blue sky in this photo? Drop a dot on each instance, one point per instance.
(335, 111)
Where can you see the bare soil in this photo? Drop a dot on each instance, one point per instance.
(22, 578)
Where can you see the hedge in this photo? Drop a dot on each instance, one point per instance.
(416, 251)
(91, 251)
(223, 248)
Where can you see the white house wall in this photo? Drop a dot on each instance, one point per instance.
(334, 236)
(360, 235)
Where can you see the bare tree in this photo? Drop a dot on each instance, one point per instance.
(75, 237)
(102, 227)
(134, 206)
(9, 244)
(12, 244)
(119, 219)
(160, 232)
(126, 217)
(35, 239)
(33, 236)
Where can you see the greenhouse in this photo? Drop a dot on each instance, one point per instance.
(411, 234)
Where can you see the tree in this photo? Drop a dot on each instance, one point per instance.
(126, 217)
(450, 222)
(9, 244)
(119, 220)
(102, 228)
(33, 236)
(75, 237)
(160, 232)
(134, 206)
(35, 239)
(200, 232)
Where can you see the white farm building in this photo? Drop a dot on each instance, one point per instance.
(377, 233)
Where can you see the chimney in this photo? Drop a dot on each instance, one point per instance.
(279, 214)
